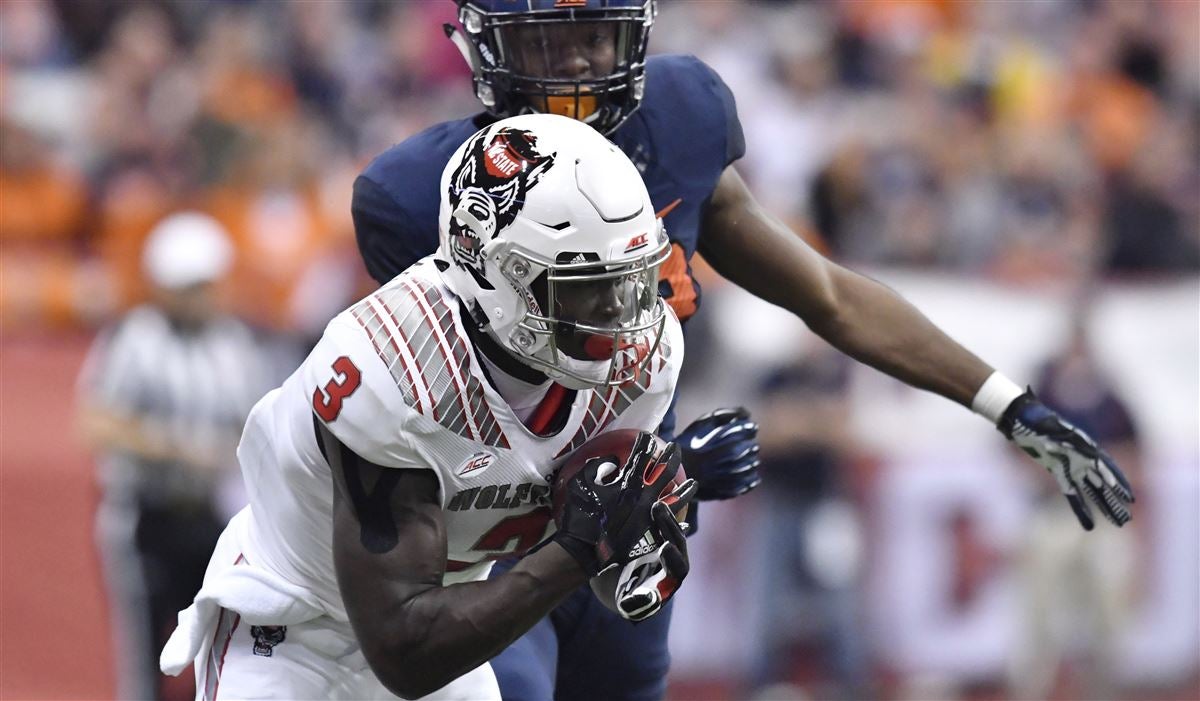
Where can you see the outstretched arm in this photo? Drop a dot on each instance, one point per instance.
(859, 316)
(874, 325)
(389, 547)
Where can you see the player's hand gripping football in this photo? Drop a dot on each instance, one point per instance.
(1080, 467)
(620, 522)
(720, 451)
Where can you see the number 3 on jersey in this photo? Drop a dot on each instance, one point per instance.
(328, 404)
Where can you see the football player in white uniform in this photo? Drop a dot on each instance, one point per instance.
(416, 443)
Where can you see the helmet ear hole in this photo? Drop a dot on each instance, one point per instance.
(476, 212)
(540, 287)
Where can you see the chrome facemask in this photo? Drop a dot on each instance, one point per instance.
(588, 352)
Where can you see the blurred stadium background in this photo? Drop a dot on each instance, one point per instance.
(1021, 170)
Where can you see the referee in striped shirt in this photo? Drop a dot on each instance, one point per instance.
(164, 394)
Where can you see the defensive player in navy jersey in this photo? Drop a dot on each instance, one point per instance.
(676, 120)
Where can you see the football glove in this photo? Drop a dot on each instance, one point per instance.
(720, 451)
(1080, 467)
(639, 583)
(608, 508)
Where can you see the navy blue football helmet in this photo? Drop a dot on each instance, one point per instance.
(584, 59)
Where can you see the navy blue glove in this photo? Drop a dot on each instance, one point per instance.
(1080, 467)
(720, 451)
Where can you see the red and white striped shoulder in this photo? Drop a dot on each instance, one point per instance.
(413, 327)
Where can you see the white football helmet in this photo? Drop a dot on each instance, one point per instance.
(553, 244)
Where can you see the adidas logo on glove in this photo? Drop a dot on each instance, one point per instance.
(645, 545)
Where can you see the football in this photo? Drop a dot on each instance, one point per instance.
(615, 446)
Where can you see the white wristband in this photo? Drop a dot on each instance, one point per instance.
(994, 396)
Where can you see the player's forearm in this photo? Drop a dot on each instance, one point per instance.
(876, 326)
(859, 316)
(389, 553)
(448, 631)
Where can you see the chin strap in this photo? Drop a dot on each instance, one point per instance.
(464, 47)
(470, 54)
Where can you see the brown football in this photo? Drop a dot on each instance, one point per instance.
(616, 447)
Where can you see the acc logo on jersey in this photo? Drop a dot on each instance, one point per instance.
(474, 465)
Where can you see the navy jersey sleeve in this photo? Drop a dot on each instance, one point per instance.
(395, 202)
(690, 114)
(735, 139)
(389, 239)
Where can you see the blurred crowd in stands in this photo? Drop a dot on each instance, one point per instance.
(1029, 141)
(260, 114)
(1018, 139)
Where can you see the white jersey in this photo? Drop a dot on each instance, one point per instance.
(396, 379)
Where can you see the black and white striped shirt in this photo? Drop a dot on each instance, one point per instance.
(200, 384)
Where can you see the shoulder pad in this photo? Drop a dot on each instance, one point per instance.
(413, 168)
(396, 199)
(694, 103)
(414, 331)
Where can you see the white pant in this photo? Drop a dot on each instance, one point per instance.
(312, 660)
(315, 659)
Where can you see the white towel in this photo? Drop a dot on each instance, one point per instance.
(259, 596)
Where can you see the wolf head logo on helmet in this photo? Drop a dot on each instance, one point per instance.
(488, 188)
(537, 215)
